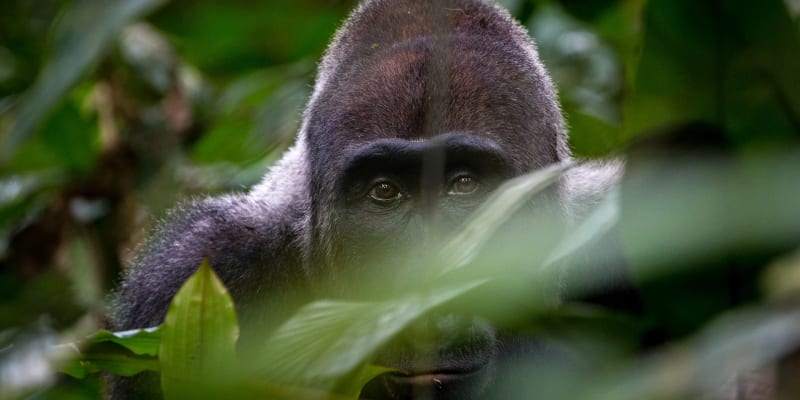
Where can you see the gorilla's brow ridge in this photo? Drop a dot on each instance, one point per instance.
(453, 145)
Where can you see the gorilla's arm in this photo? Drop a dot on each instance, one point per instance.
(250, 247)
(253, 241)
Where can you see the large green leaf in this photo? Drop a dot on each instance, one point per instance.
(497, 211)
(705, 365)
(256, 112)
(701, 225)
(82, 34)
(327, 340)
(762, 92)
(590, 136)
(198, 339)
(234, 37)
(68, 140)
(729, 64)
(677, 75)
(676, 217)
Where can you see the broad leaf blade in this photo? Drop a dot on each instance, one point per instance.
(506, 201)
(328, 339)
(199, 334)
(350, 386)
(86, 29)
(111, 359)
(121, 353)
(139, 341)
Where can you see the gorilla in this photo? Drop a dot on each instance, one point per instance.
(420, 110)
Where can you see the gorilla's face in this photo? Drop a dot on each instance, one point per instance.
(403, 160)
(399, 199)
(411, 127)
(406, 141)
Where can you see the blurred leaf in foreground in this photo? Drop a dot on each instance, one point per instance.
(782, 278)
(706, 226)
(328, 339)
(732, 64)
(707, 365)
(84, 31)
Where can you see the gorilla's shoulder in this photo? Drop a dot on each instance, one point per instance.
(249, 243)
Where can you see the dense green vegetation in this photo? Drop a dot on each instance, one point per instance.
(111, 111)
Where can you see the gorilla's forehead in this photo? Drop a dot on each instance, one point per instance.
(424, 87)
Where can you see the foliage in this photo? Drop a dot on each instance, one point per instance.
(106, 107)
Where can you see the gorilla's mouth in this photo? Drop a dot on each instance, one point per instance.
(448, 383)
(455, 362)
(433, 378)
(453, 376)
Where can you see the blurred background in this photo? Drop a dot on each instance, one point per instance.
(112, 111)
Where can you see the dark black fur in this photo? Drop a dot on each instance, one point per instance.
(453, 81)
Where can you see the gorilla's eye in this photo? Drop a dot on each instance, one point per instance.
(384, 192)
(464, 184)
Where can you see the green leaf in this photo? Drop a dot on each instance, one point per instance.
(350, 386)
(782, 278)
(762, 92)
(85, 272)
(227, 38)
(503, 204)
(199, 334)
(729, 65)
(257, 111)
(109, 359)
(694, 223)
(675, 76)
(327, 340)
(138, 341)
(592, 137)
(122, 353)
(725, 349)
(82, 34)
(24, 195)
(675, 219)
(597, 223)
(67, 140)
